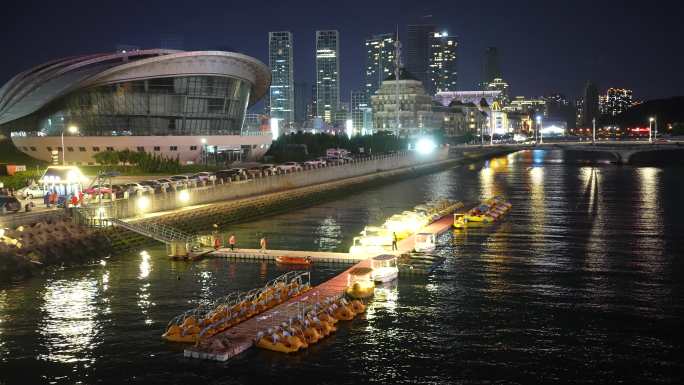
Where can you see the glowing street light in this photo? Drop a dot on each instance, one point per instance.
(539, 128)
(425, 146)
(143, 203)
(184, 196)
(650, 128)
(349, 128)
(72, 129)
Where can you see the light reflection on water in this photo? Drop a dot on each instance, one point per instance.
(68, 327)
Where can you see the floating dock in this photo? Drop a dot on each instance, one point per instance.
(237, 339)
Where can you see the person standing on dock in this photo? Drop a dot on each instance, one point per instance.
(262, 244)
(394, 241)
(231, 242)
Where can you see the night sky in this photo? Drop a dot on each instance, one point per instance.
(545, 46)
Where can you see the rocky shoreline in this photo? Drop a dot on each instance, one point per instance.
(27, 250)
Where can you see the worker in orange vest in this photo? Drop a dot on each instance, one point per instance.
(231, 241)
(217, 243)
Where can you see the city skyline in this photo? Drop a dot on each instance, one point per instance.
(572, 52)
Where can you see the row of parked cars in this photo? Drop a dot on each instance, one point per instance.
(182, 181)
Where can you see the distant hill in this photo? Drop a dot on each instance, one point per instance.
(667, 110)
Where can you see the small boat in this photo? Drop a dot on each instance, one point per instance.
(424, 242)
(488, 212)
(384, 268)
(289, 260)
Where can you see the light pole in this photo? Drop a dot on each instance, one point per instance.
(655, 123)
(593, 132)
(72, 130)
(204, 150)
(539, 128)
(650, 129)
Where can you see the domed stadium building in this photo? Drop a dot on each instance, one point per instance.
(177, 104)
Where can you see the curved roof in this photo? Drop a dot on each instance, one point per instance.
(30, 90)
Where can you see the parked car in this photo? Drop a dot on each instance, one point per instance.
(33, 191)
(97, 190)
(155, 185)
(315, 163)
(204, 176)
(262, 168)
(290, 166)
(168, 183)
(229, 173)
(9, 204)
(133, 188)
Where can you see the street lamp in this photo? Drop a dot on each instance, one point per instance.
(650, 128)
(72, 130)
(539, 128)
(204, 150)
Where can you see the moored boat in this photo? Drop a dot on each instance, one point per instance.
(488, 212)
(293, 260)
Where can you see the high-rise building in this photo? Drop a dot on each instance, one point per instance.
(579, 112)
(327, 74)
(380, 60)
(490, 67)
(617, 101)
(559, 109)
(603, 105)
(442, 64)
(499, 84)
(281, 94)
(301, 99)
(311, 108)
(590, 106)
(361, 113)
(418, 52)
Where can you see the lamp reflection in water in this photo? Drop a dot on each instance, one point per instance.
(328, 234)
(385, 299)
(649, 220)
(144, 302)
(69, 326)
(3, 308)
(596, 245)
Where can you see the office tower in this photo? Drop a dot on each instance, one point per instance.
(380, 60)
(490, 67)
(361, 111)
(590, 107)
(301, 99)
(281, 93)
(579, 112)
(617, 101)
(442, 64)
(311, 108)
(418, 52)
(327, 75)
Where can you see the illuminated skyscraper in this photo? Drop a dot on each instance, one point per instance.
(617, 101)
(442, 64)
(418, 52)
(379, 60)
(361, 112)
(327, 74)
(281, 95)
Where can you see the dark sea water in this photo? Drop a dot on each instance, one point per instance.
(582, 283)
